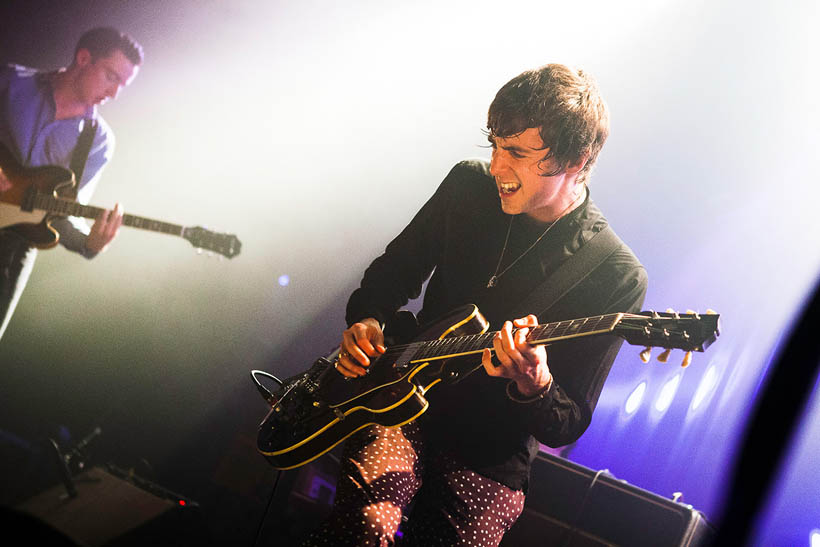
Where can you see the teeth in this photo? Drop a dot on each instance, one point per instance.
(509, 187)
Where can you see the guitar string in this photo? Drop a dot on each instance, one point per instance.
(400, 348)
(394, 351)
(72, 208)
(538, 331)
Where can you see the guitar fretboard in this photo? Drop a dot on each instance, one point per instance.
(542, 334)
(45, 202)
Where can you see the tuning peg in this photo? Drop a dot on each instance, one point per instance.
(664, 357)
(646, 354)
(711, 312)
(687, 360)
(670, 310)
(690, 311)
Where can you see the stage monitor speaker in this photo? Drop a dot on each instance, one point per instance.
(112, 511)
(569, 505)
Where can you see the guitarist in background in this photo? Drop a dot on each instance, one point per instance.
(490, 235)
(41, 117)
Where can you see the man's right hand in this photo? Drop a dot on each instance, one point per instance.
(360, 342)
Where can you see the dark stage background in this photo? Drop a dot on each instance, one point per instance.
(315, 130)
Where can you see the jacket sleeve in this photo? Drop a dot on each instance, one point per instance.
(397, 276)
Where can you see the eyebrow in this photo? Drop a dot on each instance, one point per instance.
(514, 147)
(520, 149)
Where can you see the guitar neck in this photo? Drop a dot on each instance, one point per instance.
(548, 333)
(65, 207)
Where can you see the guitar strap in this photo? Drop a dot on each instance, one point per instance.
(570, 273)
(81, 151)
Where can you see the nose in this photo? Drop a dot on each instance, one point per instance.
(113, 90)
(498, 162)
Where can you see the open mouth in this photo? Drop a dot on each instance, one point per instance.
(508, 188)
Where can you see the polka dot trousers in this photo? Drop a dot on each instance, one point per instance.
(381, 478)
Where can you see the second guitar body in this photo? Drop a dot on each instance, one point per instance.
(37, 196)
(17, 211)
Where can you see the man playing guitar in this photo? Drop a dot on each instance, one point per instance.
(42, 115)
(491, 235)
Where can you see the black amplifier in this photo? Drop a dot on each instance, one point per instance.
(569, 505)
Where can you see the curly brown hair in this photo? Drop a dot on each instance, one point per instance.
(566, 107)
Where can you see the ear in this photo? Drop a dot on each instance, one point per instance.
(82, 57)
(575, 167)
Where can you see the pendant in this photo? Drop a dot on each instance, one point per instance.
(492, 282)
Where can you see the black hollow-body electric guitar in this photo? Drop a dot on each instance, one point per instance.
(39, 195)
(316, 410)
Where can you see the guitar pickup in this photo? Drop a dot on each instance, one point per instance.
(27, 203)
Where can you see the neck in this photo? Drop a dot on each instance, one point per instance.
(553, 214)
(66, 101)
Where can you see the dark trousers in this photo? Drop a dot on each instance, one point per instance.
(385, 469)
(16, 262)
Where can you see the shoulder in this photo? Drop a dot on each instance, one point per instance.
(625, 278)
(12, 74)
(472, 167)
(470, 176)
(623, 259)
(469, 187)
(622, 271)
(18, 71)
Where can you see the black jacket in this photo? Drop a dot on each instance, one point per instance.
(458, 236)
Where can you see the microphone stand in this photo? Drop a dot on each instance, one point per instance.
(74, 459)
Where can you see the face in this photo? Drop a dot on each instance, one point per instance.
(520, 176)
(102, 78)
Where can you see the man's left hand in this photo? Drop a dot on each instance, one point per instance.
(519, 361)
(105, 229)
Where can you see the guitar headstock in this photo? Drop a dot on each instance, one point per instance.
(670, 330)
(225, 244)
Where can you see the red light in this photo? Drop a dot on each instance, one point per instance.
(181, 502)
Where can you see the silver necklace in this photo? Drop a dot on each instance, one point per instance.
(494, 278)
